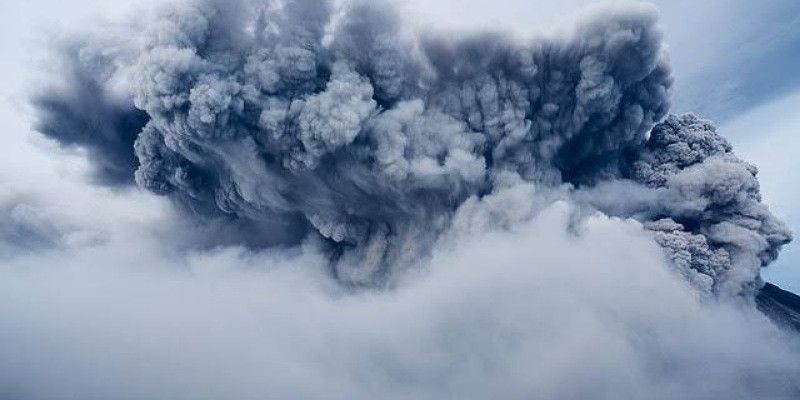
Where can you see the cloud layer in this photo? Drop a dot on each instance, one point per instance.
(544, 307)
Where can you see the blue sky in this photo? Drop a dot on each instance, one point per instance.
(735, 62)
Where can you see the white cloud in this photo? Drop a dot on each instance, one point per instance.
(510, 314)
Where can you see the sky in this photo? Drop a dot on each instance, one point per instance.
(734, 62)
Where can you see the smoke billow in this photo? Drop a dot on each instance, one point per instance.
(702, 202)
(301, 118)
(503, 207)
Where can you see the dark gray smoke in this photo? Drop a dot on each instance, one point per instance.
(298, 118)
(712, 213)
(702, 202)
(79, 110)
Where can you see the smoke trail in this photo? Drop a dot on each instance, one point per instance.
(299, 119)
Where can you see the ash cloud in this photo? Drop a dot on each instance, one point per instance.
(701, 201)
(292, 122)
(351, 129)
(336, 207)
(300, 119)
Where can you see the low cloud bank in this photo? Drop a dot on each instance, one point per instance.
(548, 306)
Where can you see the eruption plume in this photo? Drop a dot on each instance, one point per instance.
(300, 119)
(337, 206)
(296, 120)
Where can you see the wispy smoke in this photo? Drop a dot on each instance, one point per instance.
(513, 213)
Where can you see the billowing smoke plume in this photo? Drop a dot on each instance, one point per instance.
(301, 119)
(702, 202)
(346, 209)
